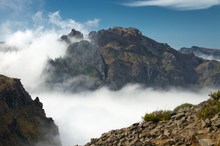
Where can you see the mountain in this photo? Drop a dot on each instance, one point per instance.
(191, 125)
(206, 53)
(22, 120)
(119, 56)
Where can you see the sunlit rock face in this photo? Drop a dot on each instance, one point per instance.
(23, 121)
(119, 56)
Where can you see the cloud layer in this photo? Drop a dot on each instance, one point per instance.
(176, 4)
(86, 115)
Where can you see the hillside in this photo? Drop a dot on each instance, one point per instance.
(23, 122)
(187, 125)
(118, 56)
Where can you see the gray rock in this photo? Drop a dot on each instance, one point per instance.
(215, 118)
(205, 123)
(179, 116)
(216, 123)
(166, 132)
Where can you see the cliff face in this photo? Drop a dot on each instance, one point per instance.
(190, 126)
(118, 56)
(22, 120)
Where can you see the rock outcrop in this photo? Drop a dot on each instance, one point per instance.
(22, 120)
(191, 126)
(120, 56)
(206, 53)
(72, 35)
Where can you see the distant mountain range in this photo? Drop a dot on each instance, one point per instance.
(119, 56)
(206, 53)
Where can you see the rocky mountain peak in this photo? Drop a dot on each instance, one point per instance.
(126, 32)
(118, 56)
(74, 34)
(119, 35)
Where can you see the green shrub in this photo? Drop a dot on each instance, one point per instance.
(157, 116)
(182, 106)
(209, 110)
(215, 95)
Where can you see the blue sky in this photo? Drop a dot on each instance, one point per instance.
(179, 23)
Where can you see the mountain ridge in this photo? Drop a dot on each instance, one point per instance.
(205, 53)
(119, 56)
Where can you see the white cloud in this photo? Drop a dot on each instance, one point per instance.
(94, 22)
(13, 5)
(34, 45)
(38, 18)
(27, 61)
(69, 24)
(20, 8)
(176, 4)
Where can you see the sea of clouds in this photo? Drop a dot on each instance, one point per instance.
(79, 116)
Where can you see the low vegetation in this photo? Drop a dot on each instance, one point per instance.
(215, 95)
(156, 116)
(212, 106)
(183, 106)
(208, 111)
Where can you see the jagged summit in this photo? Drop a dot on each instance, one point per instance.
(118, 56)
(72, 35)
(119, 35)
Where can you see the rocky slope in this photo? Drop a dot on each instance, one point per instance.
(190, 126)
(206, 53)
(22, 120)
(118, 56)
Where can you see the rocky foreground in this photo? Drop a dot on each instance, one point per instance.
(190, 126)
(23, 121)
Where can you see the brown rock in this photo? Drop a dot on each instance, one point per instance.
(216, 123)
(205, 142)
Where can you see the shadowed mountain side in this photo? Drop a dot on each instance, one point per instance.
(23, 121)
(118, 56)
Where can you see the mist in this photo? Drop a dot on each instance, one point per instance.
(207, 57)
(25, 52)
(79, 116)
(87, 115)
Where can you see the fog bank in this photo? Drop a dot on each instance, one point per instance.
(87, 115)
